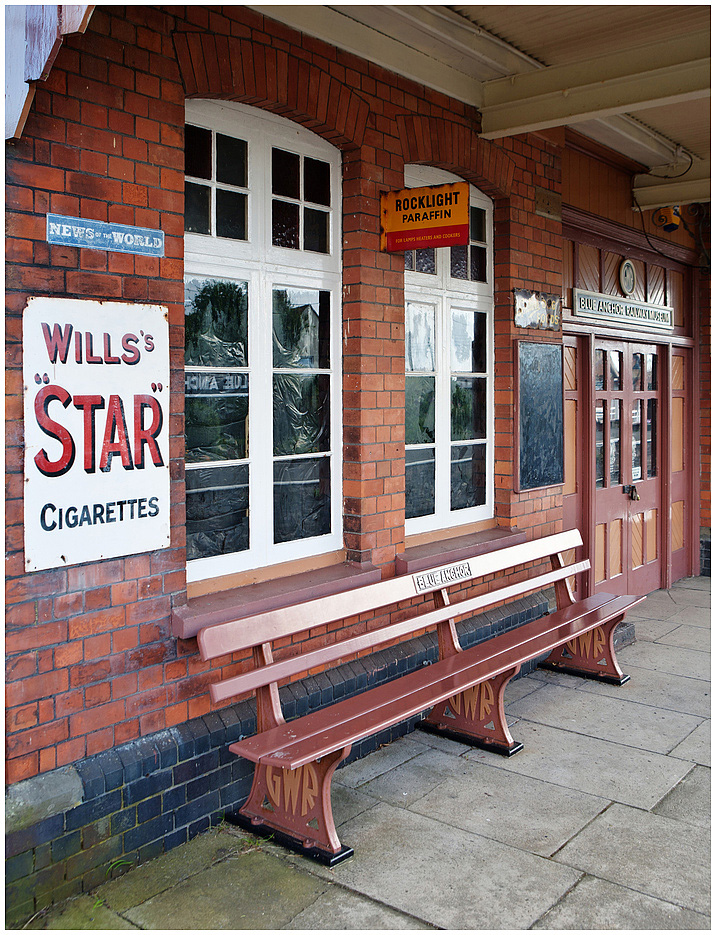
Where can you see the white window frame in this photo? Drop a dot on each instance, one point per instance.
(447, 293)
(265, 267)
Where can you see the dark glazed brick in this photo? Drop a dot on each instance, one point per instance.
(197, 788)
(98, 808)
(131, 764)
(92, 778)
(148, 809)
(124, 820)
(19, 866)
(150, 851)
(215, 726)
(66, 846)
(98, 856)
(199, 827)
(147, 786)
(43, 832)
(175, 839)
(111, 766)
(168, 753)
(174, 798)
(196, 809)
(150, 831)
(43, 856)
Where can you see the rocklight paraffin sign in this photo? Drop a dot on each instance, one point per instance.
(415, 218)
(96, 390)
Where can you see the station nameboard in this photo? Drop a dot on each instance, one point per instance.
(435, 216)
(614, 308)
(96, 412)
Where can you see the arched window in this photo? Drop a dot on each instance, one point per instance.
(262, 347)
(449, 349)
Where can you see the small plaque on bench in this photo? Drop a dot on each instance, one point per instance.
(442, 577)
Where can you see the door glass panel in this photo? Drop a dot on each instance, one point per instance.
(419, 337)
(419, 482)
(599, 358)
(301, 328)
(615, 454)
(615, 370)
(469, 342)
(197, 152)
(651, 462)
(285, 179)
(315, 230)
(599, 413)
(636, 437)
(419, 410)
(231, 160)
(468, 413)
(197, 208)
(467, 476)
(284, 224)
(637, 371)
(301, 499)
(231, 214)
(458, 262)
(316, 181)
(651, 372)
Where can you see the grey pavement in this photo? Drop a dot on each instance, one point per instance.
(601, 822)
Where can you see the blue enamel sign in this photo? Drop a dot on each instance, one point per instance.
(120, 238)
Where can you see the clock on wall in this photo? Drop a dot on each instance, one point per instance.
(627, 277)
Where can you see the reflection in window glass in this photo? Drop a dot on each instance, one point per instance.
(637, 371)
(468, 476)
(599, 413)
(216, 415)
(421, 261)
(302, 499)
(217, 510)
(615, 370)
(599, 361)
(301, 328)
(419, 482)
(419, 337)
(478, 224)
(468, 341)
(615, 446)
(636, 441)
(419, 410)
(284, 224)
(315, 230)
(651, 458)
(216, 323)
(468, 414)
(651, 372)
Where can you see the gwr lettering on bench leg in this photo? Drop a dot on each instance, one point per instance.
(294, 806)
(477, 716)
(590, 655)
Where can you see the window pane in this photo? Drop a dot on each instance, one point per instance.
(315, 230)
(478, 264)
(284, 224)
(425, 261)
(231, 160)
(478, 224)
(458, 262)
(651, 371)
(285, 174)
(636, 431)
(216, 409)
(651, 461)
(468, 416)
(615, 370)
(410, 259)
(637, 371)
(197, 152)
(468, 476)
(301, 413)
(316, 181)
(301, 499)
(599, 413)
(217, 511)
(230, 214)
(615, 446)
(599, 360)
(419, 337)
(419, 482)
(301, 328)
(197, 208)
(468, 341)
(419, 410)
(216, 323)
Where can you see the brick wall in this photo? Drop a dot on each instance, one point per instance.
(91, 662)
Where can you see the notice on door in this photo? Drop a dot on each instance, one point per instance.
(96, 411)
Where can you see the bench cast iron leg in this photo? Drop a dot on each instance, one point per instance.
(293, 806)
(476, 716)
(591, 655)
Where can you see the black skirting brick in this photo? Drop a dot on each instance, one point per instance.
(150, 851)
(66, 846)
(19, 866)
(168, 752)
(198, 787)
(92, 776)
(98, 856)
(131, 764)
(149, 809)
(112, 769)
(216, 728)
(199, 827)
(194, 810)
(147, 786)
(175, 839)
(42, 833)
(151, 831)
(91, 811)
(124, 820)
(174, 798)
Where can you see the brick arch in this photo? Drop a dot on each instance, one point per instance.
(456, 148)
(227, 68)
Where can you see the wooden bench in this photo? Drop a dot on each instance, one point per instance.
(463, 690)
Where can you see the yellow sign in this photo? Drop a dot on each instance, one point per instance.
(436, 216)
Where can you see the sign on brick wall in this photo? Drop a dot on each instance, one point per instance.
(96, 410)
(434, 216)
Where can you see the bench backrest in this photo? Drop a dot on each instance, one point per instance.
(263, 629)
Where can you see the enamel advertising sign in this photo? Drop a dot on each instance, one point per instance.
(96, 409)
(415, 218)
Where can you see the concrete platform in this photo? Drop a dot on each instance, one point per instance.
(601, 822)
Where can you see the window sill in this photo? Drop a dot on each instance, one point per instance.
(223, 606)
(446, 551)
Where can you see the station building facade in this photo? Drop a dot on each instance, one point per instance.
(315, 412)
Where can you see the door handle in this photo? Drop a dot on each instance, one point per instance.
(632, 491)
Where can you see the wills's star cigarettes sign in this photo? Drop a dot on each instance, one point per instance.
(415, 218)
(96, 410)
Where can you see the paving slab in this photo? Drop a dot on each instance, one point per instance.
(80, 914)
(436, 742)
(624, 774)
(698, 583)
(691, 597)
(253, 891)
(694, 616)
(688, 637)
(339, 909)
(380, 761)
(597, 904)
(645, 852)
(649, 630)
(416, 777)
(527, 813)
(444, 876)
(697, 746)
(642, 726)
(671, 659)
(690, 801)
(659, 690)
(657, 604)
